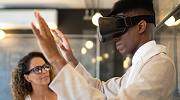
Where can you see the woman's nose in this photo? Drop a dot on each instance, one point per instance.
(43, 70)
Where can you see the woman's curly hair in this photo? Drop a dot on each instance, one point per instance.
(20, 87)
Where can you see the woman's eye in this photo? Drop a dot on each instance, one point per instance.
(37, 69)
(47, 68)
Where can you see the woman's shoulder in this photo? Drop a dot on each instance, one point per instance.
(28, 97)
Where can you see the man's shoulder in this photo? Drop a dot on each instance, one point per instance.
(160, 60)
(159, 52)
(154, 51)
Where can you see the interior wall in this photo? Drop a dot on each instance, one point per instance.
(71, 21)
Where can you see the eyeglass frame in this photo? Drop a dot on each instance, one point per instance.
(40, 67)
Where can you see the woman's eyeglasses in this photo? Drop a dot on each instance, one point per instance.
(38, 69)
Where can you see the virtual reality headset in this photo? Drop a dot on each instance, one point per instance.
(110, 27)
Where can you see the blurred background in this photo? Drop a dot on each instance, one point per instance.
(74, 19)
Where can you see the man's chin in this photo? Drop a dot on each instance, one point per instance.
(123, 53)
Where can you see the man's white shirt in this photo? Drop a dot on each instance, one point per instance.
(138, 54)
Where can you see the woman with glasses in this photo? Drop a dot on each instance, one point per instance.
(31, 77)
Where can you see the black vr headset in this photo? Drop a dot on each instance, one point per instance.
(110, 27)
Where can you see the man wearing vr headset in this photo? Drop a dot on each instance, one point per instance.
(151, 77)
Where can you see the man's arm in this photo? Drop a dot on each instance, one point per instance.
(47, 44)
(67, 53)
(154, 82)
(70, 85)
(75, 91)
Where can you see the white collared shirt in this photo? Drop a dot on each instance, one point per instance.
(138, 54)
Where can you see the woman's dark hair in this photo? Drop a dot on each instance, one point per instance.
(20, 87)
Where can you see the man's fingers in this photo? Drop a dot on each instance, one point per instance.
(61, 35)
(57, 37)
(62, 46)
(35, 13)
(57, 42)
(35, 30)
(44, 29)
(42, 22)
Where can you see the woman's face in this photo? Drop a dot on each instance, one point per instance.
(38, 79)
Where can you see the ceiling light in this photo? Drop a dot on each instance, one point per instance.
(83, 50)
(2, 34)
(89, 44)
(126, 62)
(106, 55)
(99, 58)
(95, 18)
(170, 21)
(93, 60)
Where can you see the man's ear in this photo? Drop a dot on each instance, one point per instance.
(142, 26)
(27, 78)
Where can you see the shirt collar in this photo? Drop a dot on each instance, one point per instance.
(141, 51)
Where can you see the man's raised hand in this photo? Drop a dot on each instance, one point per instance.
(46, 42)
